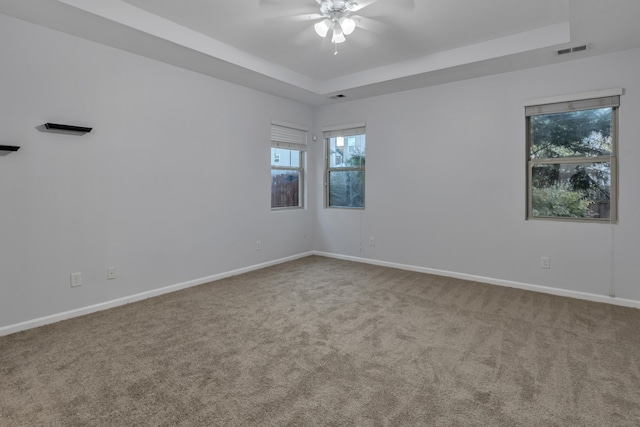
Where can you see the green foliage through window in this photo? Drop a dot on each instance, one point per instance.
(560, 200)
(571, 163)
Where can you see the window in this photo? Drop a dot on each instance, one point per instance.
(345, 177)
(572, 165)
(288, 145)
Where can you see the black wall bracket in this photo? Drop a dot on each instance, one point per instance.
(66, 128)
(7, 149)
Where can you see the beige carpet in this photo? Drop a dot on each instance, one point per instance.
(323, 342)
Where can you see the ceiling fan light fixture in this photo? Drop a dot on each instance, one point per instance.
(338, 36)
(322, 27)
(347, 24)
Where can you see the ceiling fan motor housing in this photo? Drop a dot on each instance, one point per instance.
(336, 8)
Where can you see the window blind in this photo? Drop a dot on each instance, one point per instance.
(288, 136)
(344, 132)
(583, 104)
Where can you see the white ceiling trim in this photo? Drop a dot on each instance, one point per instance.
(133, 17)
(146, 22)
(523, 42)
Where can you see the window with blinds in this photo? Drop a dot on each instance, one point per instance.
(572, 160)
(288, 147)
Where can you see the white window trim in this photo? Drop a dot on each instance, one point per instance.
(530, 108)
(343, 127)
(291, 136)
(358, 128)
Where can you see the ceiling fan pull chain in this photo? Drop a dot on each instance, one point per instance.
(335, 45)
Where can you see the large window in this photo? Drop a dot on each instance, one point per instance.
(345, 178)
(288, 145)
(572, 165)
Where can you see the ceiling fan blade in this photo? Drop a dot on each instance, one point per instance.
(295, 18)
(270, 2)
(370, 24)
(279, 2)
(362, 4)
(405, 4)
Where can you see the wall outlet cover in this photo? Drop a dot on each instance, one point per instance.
(545, 262)
(76, 279)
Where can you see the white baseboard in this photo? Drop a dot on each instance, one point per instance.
(29, 324)
(510, 284)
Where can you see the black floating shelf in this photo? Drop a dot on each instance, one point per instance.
(9, 148)
(67, 128)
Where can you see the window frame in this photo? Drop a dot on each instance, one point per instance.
(568, 104)
(301, 180)
(292, 137)
(342, 131)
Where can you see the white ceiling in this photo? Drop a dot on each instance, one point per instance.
(270, 45)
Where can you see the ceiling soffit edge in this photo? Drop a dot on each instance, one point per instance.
(128, 15)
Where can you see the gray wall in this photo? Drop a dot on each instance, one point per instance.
(171, 185)
(462, 148)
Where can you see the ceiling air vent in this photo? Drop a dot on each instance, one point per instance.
(338, 96)
(572, 49)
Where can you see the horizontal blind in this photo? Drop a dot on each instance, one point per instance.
(344, 132)
(288, 137)
(563, 107)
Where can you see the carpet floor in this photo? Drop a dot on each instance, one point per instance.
(325, 342)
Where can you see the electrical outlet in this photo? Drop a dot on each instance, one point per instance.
(258, 245)
(545, 262)
(372, 241)
(76, 279)
(111, 273)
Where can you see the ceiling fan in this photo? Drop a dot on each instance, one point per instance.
(338, 17)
